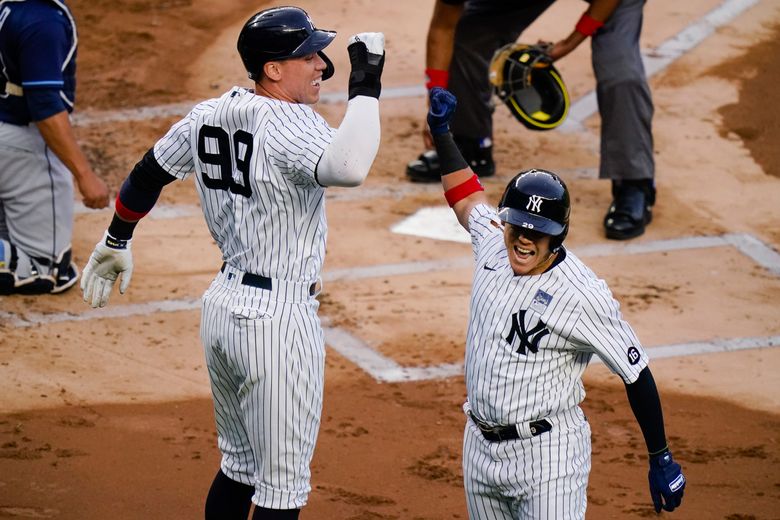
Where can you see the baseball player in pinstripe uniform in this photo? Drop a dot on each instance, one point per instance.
(39, 154)
(538, 315)
(262, 159)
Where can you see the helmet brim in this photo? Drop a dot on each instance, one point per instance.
(527, 220)
(316, 41)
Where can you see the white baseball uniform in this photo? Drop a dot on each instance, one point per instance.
(529, 341)
(255, 160)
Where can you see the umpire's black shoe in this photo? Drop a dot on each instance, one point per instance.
(478, 153)
(631, 209)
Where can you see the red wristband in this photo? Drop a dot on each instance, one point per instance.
(463, 190)
(125, 213)
(588, 25)
(436, 78)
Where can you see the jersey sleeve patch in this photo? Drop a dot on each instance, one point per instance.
(601, 328)
(541, 301)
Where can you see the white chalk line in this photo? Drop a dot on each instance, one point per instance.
(655, 60)
(382, 368)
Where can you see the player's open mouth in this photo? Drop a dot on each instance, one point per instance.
(315, 83)
(519, 251)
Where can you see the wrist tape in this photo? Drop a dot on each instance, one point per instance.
(587, 25)
(436, 78)
(463, 190)
(115, 243)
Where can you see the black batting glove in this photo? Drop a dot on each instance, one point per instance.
(667, 483)
(367, 56)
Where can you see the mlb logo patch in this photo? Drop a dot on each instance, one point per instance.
(541, 301)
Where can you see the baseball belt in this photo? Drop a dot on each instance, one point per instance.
(508, 433)
(263, 282)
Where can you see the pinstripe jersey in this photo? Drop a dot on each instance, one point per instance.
(530, 338)
(255, 161)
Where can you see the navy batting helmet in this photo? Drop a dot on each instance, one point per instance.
(281, 33)
(538, 200)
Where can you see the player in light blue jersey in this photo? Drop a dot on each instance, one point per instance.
(39, 155)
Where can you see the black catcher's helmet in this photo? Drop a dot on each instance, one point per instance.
(524, 78)
(537, 200)
(280, 33)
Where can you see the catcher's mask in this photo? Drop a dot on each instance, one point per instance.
(281, 33)
(524, 78)
(537, 200)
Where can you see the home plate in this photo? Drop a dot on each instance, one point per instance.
(437, 222)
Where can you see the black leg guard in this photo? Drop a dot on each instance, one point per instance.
(228, 499)
(36, 283)
(262, 513)
(66, 274)
(8, 259)
(7, 281)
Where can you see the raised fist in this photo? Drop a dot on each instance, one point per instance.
(442, 106)
(367, 56)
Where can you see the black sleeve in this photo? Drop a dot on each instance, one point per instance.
(148, 175)
(139, 193)
(646, 405)
(450, 158)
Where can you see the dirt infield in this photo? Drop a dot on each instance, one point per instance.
(109, 416)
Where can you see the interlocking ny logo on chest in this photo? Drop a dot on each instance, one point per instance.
(528, 339)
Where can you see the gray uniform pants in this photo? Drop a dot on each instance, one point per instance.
(36, 194)
(625, 104)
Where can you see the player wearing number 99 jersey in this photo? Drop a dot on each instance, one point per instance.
(262, 159)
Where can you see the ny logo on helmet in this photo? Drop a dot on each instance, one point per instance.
(534, 203)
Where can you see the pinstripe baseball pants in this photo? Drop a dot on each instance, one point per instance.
(537, 478)
(265, 353)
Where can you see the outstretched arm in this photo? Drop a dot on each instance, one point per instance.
(112, 257)
(462, 188)
(349, 156)
(667, 482)
(591, 21)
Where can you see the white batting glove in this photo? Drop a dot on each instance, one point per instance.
(110, 259)
(375, 41)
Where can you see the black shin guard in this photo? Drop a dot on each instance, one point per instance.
(228, 499)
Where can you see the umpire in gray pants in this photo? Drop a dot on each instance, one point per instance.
(462, 38)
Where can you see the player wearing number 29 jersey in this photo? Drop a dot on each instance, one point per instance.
(537, 316)
(262, 159)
